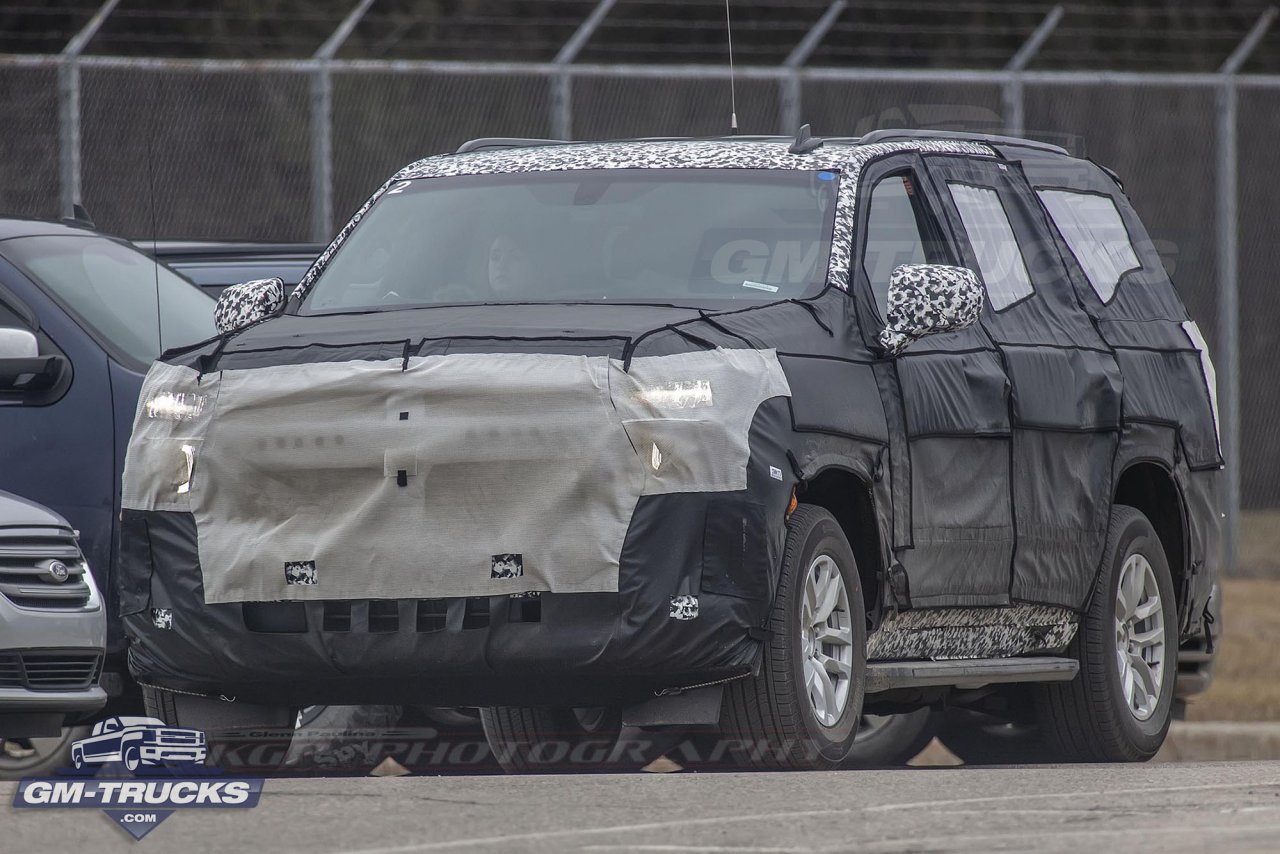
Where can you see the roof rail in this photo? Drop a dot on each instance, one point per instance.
(923, 133)
(488, 142)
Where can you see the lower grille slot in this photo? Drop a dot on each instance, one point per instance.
(49, 671)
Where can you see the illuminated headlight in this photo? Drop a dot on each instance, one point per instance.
(176, 407)
(689, 394)
(186, 465)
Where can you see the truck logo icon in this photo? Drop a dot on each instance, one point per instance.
(138, 741)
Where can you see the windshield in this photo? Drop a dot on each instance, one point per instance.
(632, 235)
(111, 288)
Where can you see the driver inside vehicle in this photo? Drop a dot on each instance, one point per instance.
(517, 266)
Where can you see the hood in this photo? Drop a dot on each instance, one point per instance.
(18, 512)
(616, 331)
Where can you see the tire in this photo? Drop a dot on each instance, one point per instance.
(890, 740)
(239, 738)
(529, 740)
(132, 757)
(50, 754)
(980, 739)
(772, 717)
(1096, 717)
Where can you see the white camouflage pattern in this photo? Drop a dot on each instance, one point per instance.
(684, 607)
(958, 633)
(246, 303)
(162, 618)
(846, 159)
(300, 572)
(929, 298)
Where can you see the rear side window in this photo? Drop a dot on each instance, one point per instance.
(1095, 233)
(1000, 260)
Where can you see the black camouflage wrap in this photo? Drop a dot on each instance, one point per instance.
(975, 466)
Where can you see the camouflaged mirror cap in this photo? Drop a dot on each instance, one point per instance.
(667, 154)
(929, 298)
(248, 302)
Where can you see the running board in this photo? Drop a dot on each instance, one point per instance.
(967, 673)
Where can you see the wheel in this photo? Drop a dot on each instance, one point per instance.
(1118, 708)
(801, 712)
(980, 739)
(891, 739)
(38, 757)
(525, 740)
(132, 757)
(239, 738)
(77, 757)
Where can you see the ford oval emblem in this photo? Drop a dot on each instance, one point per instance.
(57, 571)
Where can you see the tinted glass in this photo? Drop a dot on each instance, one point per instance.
(893, 235)
(1096, 235)
(1004, 271)
(112, 289)
(633, 235)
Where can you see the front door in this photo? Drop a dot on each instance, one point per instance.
(947, 398)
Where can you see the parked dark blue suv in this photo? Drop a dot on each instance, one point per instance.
(101, 312)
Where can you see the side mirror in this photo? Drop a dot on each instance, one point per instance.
(247, 303)
(22, 368)
(929, 298)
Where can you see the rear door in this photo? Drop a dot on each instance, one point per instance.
(1065, 403)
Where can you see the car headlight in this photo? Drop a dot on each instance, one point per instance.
(176, 407)
(683, 394)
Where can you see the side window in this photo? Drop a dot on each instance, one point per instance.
(10, 318)
(894, 236)
(1000, 261)
(1095, 234)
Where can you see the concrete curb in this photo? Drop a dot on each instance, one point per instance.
(1188, 741)
(1195, 741)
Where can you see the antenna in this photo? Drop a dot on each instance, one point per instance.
(151, 191)
(733, 99)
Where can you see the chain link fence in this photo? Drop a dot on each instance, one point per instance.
(285, 150)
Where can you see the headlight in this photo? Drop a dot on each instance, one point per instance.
(689, 394)
(176, 407)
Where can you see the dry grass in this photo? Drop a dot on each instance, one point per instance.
(1259, 544)
(1246, 683)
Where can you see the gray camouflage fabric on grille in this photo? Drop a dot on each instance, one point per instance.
(529, 476)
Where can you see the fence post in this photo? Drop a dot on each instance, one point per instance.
(321, 152)
(789, 94)
(562, 82)
(69, 168)
(322, 124)
(68, 135)
(1227, 353)
(1011, 91)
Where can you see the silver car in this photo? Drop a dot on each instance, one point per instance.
(52, 634)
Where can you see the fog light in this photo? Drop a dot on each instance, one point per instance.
(186, 465)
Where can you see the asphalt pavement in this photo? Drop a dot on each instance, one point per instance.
(1223, 806)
